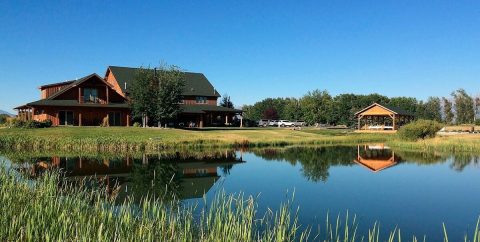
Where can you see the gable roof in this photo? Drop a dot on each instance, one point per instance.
(56, 84)
(78, 82)
(395, 110)
(51, 101)
(196, 84)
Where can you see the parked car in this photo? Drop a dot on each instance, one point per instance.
(300, 123)
(263, 123)
(285, 123)
(273, 123)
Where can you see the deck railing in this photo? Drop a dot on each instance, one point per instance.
(93, 99)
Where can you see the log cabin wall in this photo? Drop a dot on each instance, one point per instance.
(89, 116)
(110, 78)
(47, 91)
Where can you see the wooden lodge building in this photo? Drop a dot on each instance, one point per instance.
(378, 117)
(93, 101)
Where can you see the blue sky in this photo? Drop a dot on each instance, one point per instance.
(248, 49)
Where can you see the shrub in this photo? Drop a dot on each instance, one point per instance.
(419, 129)
(16, 123)
(3, 118)
(30, 124)
(137, 124)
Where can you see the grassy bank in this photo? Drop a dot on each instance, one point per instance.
(121, 139)
(43, 211)
(452, 144)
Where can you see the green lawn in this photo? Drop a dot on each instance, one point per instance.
(225, 134)
(142, 138)
(153, 139)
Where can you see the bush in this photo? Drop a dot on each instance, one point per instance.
(16, 123)
(30, 124)
(3, 118)
(137, 124)
(419, 129)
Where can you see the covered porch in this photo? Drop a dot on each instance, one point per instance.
(77, 114)
(25, 113)
(200, 116)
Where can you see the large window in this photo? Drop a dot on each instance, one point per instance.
(65, 118)
(201, 100)
(114, 119)
(90, 95)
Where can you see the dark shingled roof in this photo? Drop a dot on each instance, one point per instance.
(57, 84)
(395, 110)
(196, 84)
(207, 108)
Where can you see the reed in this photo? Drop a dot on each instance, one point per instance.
(44, 211)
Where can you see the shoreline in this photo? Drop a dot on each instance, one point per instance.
(95, 139)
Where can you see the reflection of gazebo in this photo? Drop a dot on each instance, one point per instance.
(376, 157)
(380, 117)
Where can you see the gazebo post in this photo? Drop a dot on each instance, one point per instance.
(394, 127)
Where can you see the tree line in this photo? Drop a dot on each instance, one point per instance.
(320, 107)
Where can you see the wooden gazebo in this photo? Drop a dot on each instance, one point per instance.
(378, 117)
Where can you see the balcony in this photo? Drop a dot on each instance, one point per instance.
(93, 99)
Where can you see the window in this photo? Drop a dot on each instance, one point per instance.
(65, 118)
(201, 100)
(114, 119)
(90, 95)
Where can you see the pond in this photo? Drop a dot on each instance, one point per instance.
(413, 191)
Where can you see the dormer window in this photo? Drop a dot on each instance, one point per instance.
(201, 100)
(90, 95)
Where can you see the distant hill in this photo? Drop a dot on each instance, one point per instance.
(7, 113)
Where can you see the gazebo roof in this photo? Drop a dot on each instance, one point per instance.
(391, 109)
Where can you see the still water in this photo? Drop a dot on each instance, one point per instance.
(413, 191)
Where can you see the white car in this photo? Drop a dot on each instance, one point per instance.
(285, 123)
(300, 123)
(273, 123)
(263, 122)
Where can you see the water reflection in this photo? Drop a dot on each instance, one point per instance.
(431, 185)
(376, 157)
(187, 175)
(169, 176)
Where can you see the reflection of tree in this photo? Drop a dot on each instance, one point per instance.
(158, 178)
(460, 161)
(315, 161)
(226, 169)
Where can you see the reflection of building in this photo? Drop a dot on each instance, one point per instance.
(194, 177)
(376, 157)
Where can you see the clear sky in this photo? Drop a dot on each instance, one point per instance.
(248, 49)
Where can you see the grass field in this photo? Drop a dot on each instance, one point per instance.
(130, 139)
(151, 139)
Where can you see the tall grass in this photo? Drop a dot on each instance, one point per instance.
(45, 211)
